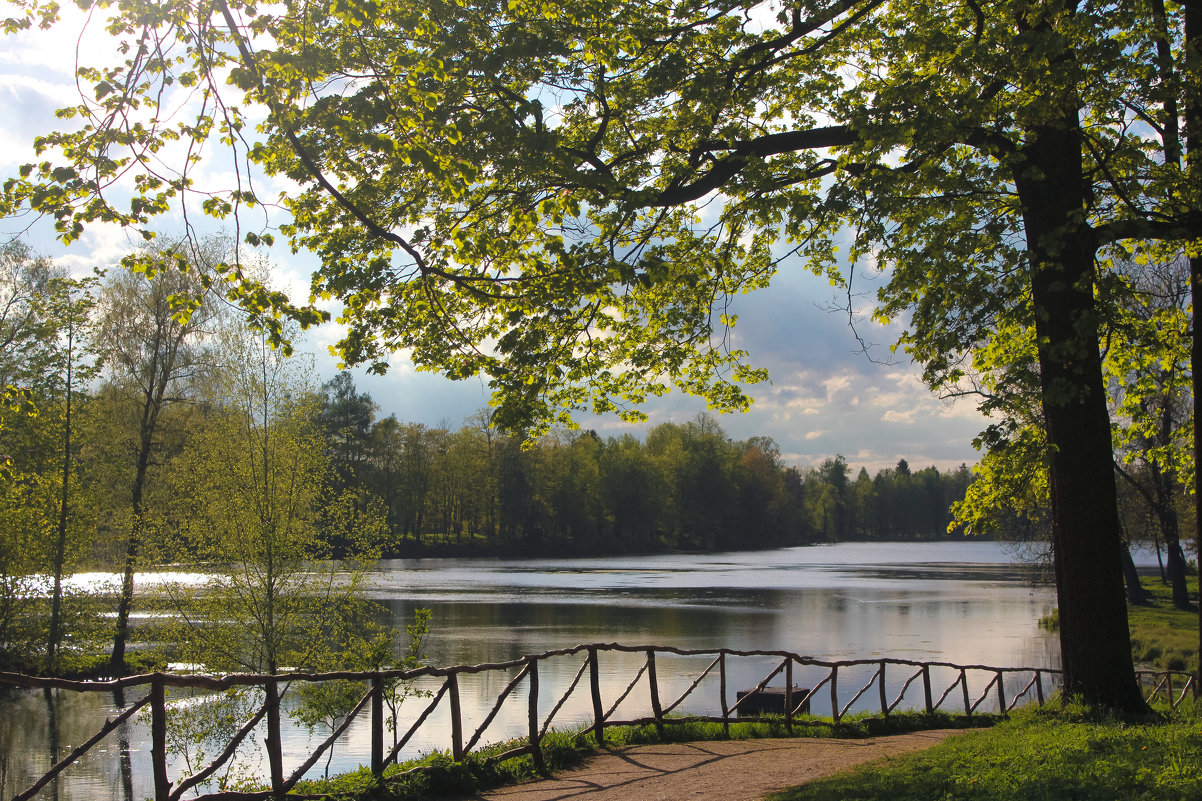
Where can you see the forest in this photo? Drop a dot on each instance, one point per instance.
(684, 487)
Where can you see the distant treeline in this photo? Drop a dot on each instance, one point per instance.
(684, 487)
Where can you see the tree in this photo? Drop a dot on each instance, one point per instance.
(633, 490)
(47, 329)
(25, 492)
(1148, 364)
(346, 417)
(524, 190)
(70, 304)
(830, 497)
(151, 336)
(252, 502)
(23, 282)
(45, 326)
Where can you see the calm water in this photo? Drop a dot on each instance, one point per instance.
(963, 602)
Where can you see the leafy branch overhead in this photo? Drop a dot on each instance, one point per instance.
(532, 191)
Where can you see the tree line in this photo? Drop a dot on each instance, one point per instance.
(685, 486)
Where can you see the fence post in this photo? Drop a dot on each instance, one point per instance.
(377, 725)
(656, 708)
(789, 695)
(926, 689)
(1001, 693)
(275, 749)
(964, 690)
(594, 675)
(835, 711)
(456, 718)
(1039, 686)
(158, 737)
(884, 695)
(535, 741)
(722, 691)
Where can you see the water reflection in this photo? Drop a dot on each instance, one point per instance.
(42, 726)
(957, 602)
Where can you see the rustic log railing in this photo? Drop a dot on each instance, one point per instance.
(1035, 689)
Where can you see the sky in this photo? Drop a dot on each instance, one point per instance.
(826, 395)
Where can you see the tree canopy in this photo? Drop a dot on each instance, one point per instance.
(564, 197)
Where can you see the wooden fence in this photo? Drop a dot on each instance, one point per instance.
(1036, 684)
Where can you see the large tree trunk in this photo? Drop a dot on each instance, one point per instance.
(132, 546)
(1176, 574)
(1087, 538)
(1193, 155)
(1166, 513)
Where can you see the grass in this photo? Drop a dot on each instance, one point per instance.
(1162, 637)
(442, 776)
(1038, 754)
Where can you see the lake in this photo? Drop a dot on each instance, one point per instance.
(959, 601)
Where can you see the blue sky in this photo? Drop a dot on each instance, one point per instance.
(826, 396)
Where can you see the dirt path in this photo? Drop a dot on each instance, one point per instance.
(721, 770)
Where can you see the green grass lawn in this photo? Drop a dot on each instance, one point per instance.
(1037, 754)
(1162, 636)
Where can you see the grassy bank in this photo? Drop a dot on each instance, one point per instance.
(1162, 636)
(440, 776)
(1039, 754)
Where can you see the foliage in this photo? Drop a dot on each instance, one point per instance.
(199, 725)
(254, 504)
(24, 326)
(397, 691)
(1145, 358)
(1037, 754)
(45, 529)
(468, 208)
(251, 492)
(366, 646)
(24, 529)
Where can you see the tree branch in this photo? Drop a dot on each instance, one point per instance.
(742, 152)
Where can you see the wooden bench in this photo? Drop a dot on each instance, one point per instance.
(769, 701)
